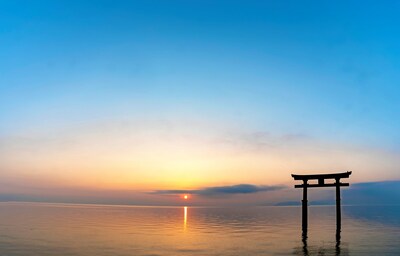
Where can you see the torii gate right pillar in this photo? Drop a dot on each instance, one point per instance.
(304, 206)
(338, 206)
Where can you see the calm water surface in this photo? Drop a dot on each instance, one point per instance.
(53, 229)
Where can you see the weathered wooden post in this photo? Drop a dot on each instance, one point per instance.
(321, 183)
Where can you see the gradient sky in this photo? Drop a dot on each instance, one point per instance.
(153, 96)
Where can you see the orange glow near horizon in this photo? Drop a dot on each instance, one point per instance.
(186, 197)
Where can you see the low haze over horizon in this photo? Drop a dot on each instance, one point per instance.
(139, 102)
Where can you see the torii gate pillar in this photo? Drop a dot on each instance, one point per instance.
(338, 206)
(321, 183)
(304, 206)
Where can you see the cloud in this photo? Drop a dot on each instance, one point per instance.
(222, 190)
(262, 140)
(373, 193)
(365, 193)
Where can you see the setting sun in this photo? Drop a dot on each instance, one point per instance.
(185, 197)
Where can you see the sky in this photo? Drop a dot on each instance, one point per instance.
(142, 101)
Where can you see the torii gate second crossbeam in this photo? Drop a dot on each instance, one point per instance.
(321, 183)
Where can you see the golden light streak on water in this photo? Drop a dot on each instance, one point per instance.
(185, 211)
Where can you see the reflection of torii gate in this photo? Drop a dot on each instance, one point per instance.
(321, 183)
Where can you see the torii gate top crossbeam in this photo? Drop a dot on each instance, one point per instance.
(321, 180)
(321, 176)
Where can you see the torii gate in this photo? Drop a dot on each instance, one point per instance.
(321, 183)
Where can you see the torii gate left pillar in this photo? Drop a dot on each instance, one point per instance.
(321, 183)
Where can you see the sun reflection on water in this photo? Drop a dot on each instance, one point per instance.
(185, 211)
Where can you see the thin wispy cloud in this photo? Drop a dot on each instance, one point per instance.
(222, 190)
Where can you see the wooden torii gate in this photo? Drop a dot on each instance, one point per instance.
(321, 183)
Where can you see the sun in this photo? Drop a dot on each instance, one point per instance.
(186, 197)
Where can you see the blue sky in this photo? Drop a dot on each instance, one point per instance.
(320, 71)
(317, 67)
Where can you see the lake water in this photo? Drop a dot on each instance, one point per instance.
(55, 229)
